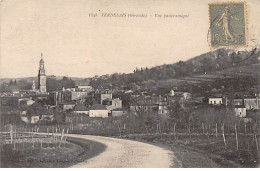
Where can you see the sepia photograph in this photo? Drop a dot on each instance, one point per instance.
(129, 84)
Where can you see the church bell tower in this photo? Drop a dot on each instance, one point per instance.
(42, 77)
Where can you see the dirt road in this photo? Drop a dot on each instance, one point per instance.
(122, 153)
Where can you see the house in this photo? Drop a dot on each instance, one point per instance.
(129, 91)
(84, 88)
(215, 100)
(98, 110)
(252, 103)
(238, 101)
(105, 95)
(118, 112)
(59, 97)
(67, 106)
(143, 104)
(240, 110)
(184, 95)
(114, 104)
(9, 100)
(77, 95)
(166, 101)
(81, 108)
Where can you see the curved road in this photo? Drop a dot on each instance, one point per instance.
(128, 154)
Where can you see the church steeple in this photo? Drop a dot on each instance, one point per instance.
(41, 76)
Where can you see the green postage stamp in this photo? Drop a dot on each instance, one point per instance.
(228, 24)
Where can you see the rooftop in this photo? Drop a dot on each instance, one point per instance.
(98, 107)
(80, 107)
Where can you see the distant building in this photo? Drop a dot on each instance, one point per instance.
(98, 110)
(42, 77)
(9, 100)
(105, 95)
(60, 97)
(114, 104)
(252, 103)
(33, 86)
(81, 109)
(129, 91)
(238, 101)
(66, 96)
(118, 112)
(84, 88)
(240, 110)
(77, 95)
(15, 100)
(184, 95)
(215, 100)
(67, 106)
(143, 104)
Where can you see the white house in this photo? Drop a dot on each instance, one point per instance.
(98, 110)
(215, 100)
(240, 111)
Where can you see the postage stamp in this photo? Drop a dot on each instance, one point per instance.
(228, 24)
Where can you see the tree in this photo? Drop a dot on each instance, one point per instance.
(176, 113)
(143, 110)
(10, 83)
(53, 84)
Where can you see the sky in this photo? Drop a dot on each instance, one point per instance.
(77, 45)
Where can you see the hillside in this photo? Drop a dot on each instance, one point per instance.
(216, 65)
(212, 67)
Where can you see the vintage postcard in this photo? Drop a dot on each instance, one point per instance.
(129, 84)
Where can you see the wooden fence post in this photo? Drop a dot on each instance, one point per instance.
(11, 133)
(223, 134)
(216, 129)
(236, 135)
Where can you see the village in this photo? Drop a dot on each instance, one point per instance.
(194, 115)
(102, 103)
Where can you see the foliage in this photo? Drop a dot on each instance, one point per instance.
(15, 85)
(212, 61)
(53, 84)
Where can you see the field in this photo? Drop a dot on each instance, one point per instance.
(236, 148)
(250, 70)
(31, 151)
(213, 147)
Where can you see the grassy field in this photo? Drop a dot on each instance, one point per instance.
(250, 70)
(188, 149)
(46, 152)
(185, 146)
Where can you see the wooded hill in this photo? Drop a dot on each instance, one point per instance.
(212, 66)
